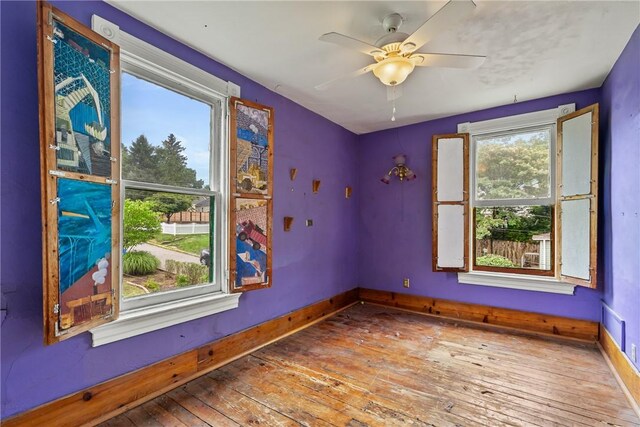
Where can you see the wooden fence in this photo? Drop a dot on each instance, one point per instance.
(188, 217)
(507, 249)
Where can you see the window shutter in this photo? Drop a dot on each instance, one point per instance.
(251, 189)
(79, 89)
(577, 189)
(450, 202)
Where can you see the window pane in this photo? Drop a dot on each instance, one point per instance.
(167, 242)
(513, 166)
(165, 135)
(514, 237)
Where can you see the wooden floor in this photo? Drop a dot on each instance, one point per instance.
(375, 366)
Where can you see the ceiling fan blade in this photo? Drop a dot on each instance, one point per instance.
(446, 17)
(447, 60)
(351, 43)
(361, 71)
(394, 92)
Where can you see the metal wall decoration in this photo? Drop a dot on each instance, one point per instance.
(251, 207)
(79, 79)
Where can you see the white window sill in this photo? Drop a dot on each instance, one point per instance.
(516, 281)
(142, 320)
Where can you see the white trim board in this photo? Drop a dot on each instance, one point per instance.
(516, 281)
(133, 49)
(535, 118)
(151, 318)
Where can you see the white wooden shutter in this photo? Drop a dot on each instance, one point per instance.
(450, 202)
(577, 184)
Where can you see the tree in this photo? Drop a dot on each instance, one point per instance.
(509, 168)
(140, 161)
(170, 203)
(172, 165)
(141, 223)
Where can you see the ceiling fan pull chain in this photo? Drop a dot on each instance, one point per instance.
(393, 114)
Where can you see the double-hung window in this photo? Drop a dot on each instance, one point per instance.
(515, 200)
(171, 181)
(174, 190)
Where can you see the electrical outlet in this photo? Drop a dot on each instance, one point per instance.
(634, 354)
(405, 283)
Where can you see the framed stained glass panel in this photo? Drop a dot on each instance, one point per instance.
(252, 147)
(79, 83)
(250, 243)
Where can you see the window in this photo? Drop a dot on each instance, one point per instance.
(515, 200)
(171, 187)
(174, 190)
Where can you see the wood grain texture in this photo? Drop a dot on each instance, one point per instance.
(377, 366)
(235, 193)
(502, 317)
(435, 203)
(110, 398)
(593, 195)
(48, 162)
(623, 367)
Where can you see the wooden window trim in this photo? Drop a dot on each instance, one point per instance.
(233, 191)
(593, 196)
(48, 162)
(435, 203)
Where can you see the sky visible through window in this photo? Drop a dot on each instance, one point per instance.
(156, 112)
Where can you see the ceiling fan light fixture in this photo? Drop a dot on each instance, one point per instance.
(393, 70)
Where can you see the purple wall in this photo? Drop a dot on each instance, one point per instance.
(310, 264)
(395, 219)
(621, 178)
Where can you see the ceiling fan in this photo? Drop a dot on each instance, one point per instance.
(396, 53)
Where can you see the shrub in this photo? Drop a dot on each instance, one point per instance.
(171, 266)
(494, 261)
(139, 263)
(152, 285)
(182, 280)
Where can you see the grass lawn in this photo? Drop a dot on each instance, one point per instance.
(131, 291)
(192, 243)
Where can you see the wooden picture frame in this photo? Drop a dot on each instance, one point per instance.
(463, 202)
(79, 92)
(251, 189)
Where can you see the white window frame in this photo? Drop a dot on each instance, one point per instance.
(522, 122)
(156, 311)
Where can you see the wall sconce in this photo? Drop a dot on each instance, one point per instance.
(400, 170)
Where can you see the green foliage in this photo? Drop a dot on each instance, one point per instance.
(163, 164)
(188, 272)
(170, 203)
(516, 224)
(152, 285)
(182, 280)
(141, 223)
(494, 261)
(192, 243)
(139, 263)
(513, 168)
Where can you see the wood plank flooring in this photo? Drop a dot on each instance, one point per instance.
(376, 366)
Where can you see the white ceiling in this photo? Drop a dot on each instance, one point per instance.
(534, 49)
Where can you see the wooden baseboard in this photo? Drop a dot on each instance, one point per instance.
(627, 374)
(112, 397)
(519, 320)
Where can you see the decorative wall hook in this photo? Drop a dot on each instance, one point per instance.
(288, 221)
(315, 185)
(347, 193)
(292, 173)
